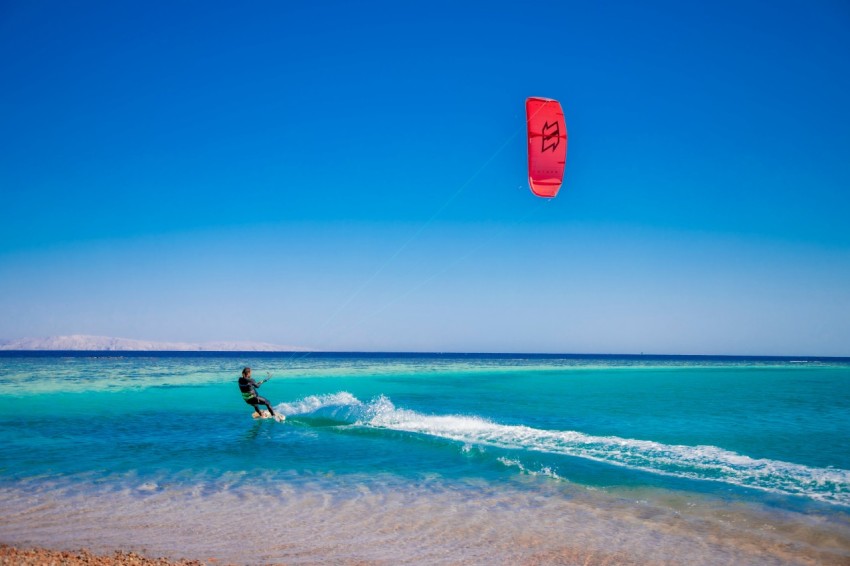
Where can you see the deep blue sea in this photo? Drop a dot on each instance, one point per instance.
(429, 458)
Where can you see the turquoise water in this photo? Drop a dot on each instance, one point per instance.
(514, 446)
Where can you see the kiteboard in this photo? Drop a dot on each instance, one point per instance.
(267, 415)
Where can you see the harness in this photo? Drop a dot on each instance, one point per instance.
(246, 387)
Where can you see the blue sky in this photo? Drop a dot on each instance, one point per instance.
(351, 175)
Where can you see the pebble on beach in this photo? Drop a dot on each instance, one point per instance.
(11, 556)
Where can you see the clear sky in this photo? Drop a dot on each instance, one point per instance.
(352, 175)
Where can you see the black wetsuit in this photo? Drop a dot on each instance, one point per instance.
(248, 387)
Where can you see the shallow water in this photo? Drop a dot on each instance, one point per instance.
(436, 458)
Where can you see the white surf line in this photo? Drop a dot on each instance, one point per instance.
(688, 462)
(704, 463)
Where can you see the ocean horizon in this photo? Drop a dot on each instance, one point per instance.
(392, 353)
(445, 458)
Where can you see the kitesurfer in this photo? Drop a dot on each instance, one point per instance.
(248, 387)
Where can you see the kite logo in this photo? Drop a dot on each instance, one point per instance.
(551, 136)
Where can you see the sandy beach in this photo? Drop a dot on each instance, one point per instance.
(12, 556)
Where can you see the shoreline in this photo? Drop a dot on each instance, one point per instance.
(167, 526)
(39, 556)
(24, 555)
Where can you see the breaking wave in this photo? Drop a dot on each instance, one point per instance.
(829, 485)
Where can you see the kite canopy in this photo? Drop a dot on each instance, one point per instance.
(547, 145)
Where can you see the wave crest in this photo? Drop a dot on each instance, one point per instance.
(829, 485)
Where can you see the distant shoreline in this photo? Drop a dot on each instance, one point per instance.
(90, 343)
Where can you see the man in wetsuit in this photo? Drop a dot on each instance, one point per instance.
(248, 387)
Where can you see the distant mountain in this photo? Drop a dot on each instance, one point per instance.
(106, 343)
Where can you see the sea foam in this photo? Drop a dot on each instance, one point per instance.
(710, 463)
